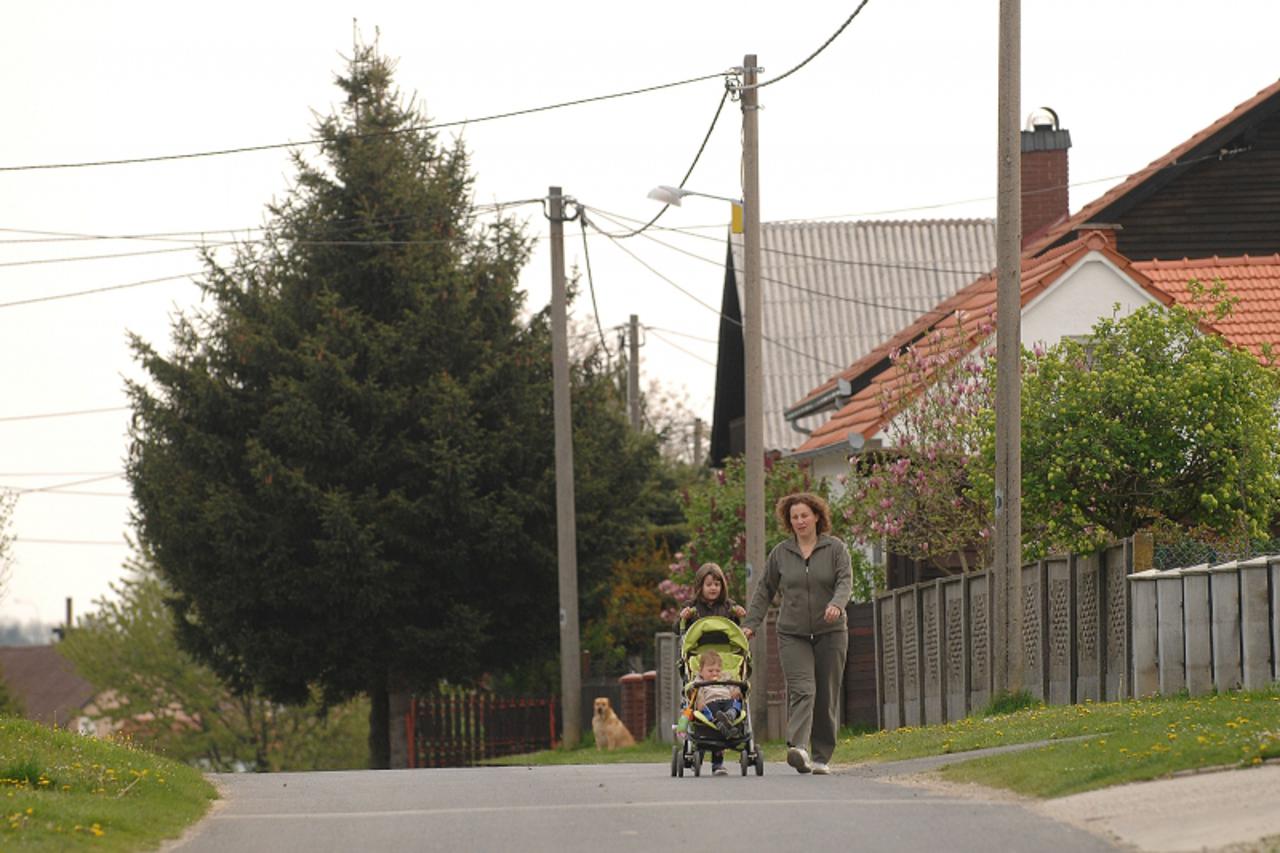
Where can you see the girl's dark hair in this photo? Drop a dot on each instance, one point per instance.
(813, 502)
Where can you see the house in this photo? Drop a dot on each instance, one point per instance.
(47, 687)
(831, 292)
(834, 291)
(1209, 209)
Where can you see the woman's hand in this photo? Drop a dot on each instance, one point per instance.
(748, 633)
(832, 613)
(739, 610)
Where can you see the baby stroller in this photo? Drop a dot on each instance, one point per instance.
(697, 733)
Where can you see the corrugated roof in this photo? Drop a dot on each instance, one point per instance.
(1254, 281)
(45, 683)
(833, 291)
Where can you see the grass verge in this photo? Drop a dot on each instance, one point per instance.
(1119, 742)
(63, 791)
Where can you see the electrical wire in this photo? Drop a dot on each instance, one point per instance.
(675, 345)
(591, 286)
(915, 312)
(682, 334)
(703, 147)
(415, 129)
(58, 296)
(721, 314)
(23, 540)
(811, 56)
(64, 414)
(57, 486)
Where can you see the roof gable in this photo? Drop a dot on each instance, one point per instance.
(45, 683)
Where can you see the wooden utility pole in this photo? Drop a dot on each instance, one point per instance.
(753, 349)
(633, 372)
(566, 527)
(1007, 572)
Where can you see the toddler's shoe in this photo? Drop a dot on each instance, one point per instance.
(798, 757)
(718, 770)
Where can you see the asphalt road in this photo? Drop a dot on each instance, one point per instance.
(611, 808)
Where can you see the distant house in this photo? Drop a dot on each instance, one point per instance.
(48, 688)
(1209, 209)
(832, 291)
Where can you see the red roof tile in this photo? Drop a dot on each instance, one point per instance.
(862, 413)
(1254, 281)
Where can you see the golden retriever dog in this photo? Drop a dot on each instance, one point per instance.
(609, 730)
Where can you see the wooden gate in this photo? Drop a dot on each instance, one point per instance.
(463, 729)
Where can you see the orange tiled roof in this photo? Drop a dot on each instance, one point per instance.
(1154, 170)
(1254, 281)
(862, 413)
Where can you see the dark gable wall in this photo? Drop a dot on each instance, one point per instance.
(731, 397)
(1225, 207)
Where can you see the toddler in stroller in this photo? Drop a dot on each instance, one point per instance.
(715, 715)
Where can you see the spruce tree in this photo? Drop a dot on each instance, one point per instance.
(343, 466)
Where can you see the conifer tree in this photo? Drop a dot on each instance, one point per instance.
(343, 469)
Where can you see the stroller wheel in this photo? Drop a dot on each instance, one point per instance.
(759, 762)
(697, 763)
(744, 759)
(676, 762)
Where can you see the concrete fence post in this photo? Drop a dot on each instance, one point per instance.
(1146, 674)
(1255, 624)
(1035, 630)
(1224, 591)
(1197, 629)
(1170, 631)
(955, 648)
(933, 704)
(1060, 630)
(1090, 624)
(667, 687)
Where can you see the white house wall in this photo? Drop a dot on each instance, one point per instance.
(1088, 292)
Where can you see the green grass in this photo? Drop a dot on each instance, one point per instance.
(1119, 742)
(63, 791)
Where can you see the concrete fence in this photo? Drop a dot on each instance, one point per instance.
(1206, 628)
(934, 639)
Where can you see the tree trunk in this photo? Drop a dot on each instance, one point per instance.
(379, 726)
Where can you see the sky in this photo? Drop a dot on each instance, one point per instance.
(895, 119)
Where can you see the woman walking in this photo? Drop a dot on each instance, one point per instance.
(812, 571)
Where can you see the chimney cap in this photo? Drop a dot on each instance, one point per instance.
(1045, 117)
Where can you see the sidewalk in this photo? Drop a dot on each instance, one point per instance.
(1235, 810)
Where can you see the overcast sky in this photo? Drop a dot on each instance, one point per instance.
(896, 119)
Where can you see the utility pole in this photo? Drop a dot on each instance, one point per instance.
(566, 528)
(1007, 574)
(752, 334)
(633, 372)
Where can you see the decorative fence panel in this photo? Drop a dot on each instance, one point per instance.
(934, 644)
(462, 729)
(1092, 629)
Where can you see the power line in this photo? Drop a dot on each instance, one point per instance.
(703, 147)
(60, 473)
(99, 289)
(23, 540)
(64, 414)
(57, 486)
(720, 313)
(682, 334)
(415, 129)
(591, 286)
(811, 56)
(74, 493)
(915, 312)
(675, 345)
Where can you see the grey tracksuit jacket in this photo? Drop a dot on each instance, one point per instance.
(807, 587)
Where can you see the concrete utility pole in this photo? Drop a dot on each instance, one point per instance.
(1007, 573)
(752, 334)
(633, 372)
(566, 526)
(697, 442)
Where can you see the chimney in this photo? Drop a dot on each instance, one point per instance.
(1044, 173)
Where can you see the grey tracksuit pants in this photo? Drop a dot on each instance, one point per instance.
(814, 669)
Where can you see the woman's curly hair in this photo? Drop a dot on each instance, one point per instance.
(812, 501)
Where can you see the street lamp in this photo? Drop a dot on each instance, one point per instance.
(675, 195)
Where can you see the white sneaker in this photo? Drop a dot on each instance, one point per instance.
(820, 769)
(798, 757)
